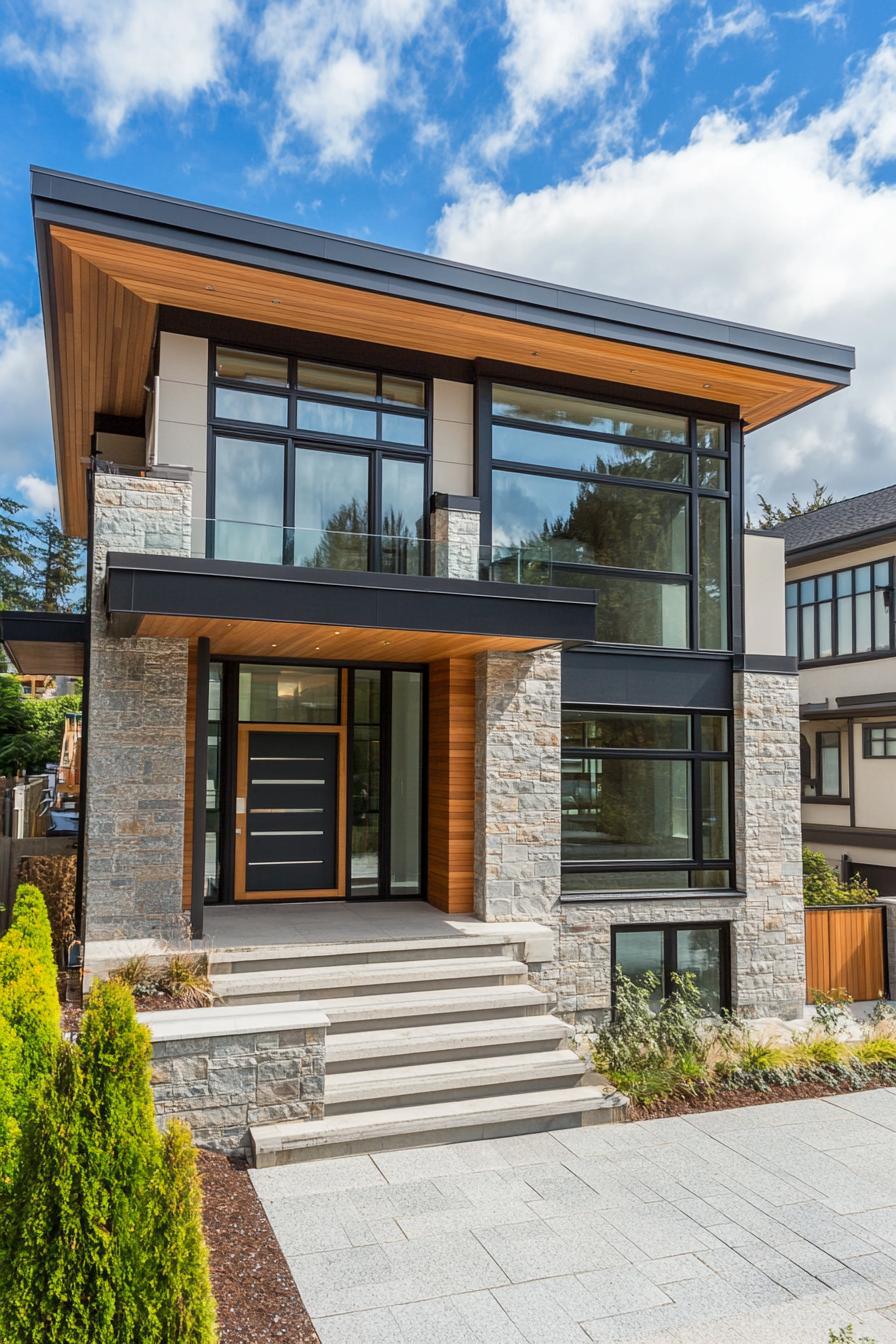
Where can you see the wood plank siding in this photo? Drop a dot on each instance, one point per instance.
(452, 727)
(845, 951)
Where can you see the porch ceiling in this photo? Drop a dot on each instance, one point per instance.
(44, 643)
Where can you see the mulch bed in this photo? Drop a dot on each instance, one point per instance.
(258, 1302)
(733, 1099)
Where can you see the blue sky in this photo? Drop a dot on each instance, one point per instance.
(734, 157)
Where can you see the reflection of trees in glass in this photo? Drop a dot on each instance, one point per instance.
(617, 525)
(626, 809)
(343, 542)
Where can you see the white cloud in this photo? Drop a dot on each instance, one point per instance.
(816, 12)
(41, 496)
(744, 20)
(780, 225)
(25, 434)
(337, 64)
(560, 52)
(125, 54)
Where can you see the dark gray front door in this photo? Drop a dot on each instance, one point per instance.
(291, 817)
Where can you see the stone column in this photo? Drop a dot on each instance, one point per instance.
(454, 528)
(134, 823)
(768, 971)
(517, 790)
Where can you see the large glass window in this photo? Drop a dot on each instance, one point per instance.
(846, 614)
(646, 800)
(664, 952)
(347, 484)
(580, 492)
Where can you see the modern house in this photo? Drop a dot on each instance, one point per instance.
(840, 626)
(422, 586)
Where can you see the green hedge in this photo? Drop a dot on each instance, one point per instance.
(822, 886)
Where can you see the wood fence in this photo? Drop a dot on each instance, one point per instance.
(13, 851)
(846, 951)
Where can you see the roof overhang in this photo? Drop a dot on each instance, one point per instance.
(40, 643)
(270, 611)
(109, 257)
(829, 550)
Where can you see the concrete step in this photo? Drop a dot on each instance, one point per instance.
(457, 1080)
(324, 982)
(371, 1012)
(442, 1122)
(300, 956)
(356, 1051)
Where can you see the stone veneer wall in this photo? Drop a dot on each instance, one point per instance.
(455, 534)
(134, 826)
(222, 1084)
(517, 870)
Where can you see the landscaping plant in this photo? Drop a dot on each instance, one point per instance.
(653, 1055)
(822, 886)
(181, 982)
(186, 1305)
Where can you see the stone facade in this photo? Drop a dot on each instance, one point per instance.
(222, 1084)
(517, 855)
(455, 535)
(517, 785)
(134, 824)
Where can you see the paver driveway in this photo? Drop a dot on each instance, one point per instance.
(770, 1224)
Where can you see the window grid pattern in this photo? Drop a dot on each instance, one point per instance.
(845, 614)
(879, 741)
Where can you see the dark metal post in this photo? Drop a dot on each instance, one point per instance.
(200, 776)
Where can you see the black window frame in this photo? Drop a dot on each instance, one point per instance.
(819, 772)
(800, 605)
(293, 440)
(867, 728)
(486, 462)
(696, 755)
(670, 953)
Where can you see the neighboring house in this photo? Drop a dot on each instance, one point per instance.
(840, 626)
(36, 688)
(435, 579)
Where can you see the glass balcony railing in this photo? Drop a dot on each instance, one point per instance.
(365, 552)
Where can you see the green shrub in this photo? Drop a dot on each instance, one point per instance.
(182, 1286)
(55, 877)
(760, 1056)
(877, 1050)
(822, 1050)
(30, 1004)
(30, 918)
(185, 978)
(12, 1103)
(822, 886)
(653, 1055)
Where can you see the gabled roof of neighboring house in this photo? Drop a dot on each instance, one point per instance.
(843, 526)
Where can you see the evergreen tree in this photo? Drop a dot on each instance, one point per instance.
(30, 1005)
(30, 918)
(182, 1285)
(772, 514)
(15, 556)
(56, 567)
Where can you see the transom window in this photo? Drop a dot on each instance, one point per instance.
(879, 740)
(626, 500)
(344, 484)
(646, 800)
(846, 614)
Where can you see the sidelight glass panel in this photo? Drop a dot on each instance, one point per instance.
(640, 954)
(554, 408)
(271, 694)
(638, 611)
(625, 808)
(586, 523)
(403, 505)
(624, 729)
(365, 783)
(320, 417)
(331, 509)
(336, 381)
(699, 952)
(713, 590)
(249, 483)
(405, 777)
(570, 453)
(235, 404)
(211, 892)
(714, 804)
(251, 367)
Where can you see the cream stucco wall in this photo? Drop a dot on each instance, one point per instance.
(452, 437)
(182, 412)
(764, 628)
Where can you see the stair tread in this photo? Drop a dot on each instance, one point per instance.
(326, 977)
(370, 950)
(368, 1125)
(454, 1072)
(444, 1034)
(417, 1003)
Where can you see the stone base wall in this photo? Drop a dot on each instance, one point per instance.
(455, 536)
(222, 1084)
(134, 824)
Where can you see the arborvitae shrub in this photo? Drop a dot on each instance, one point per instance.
(12, 1104)
(183, 1289)
(30, 918)
(30, 1005)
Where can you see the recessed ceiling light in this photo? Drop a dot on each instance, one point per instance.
(706, 384)
(210, 288)
(275, 300)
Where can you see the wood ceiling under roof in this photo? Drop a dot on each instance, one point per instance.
(107, 292)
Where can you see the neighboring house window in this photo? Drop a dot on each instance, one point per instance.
(667, 950)
(827, 755)
(629, 501)
(879, 740)
(806, 779)
(316, 464)
(646, 801)
(841, 615)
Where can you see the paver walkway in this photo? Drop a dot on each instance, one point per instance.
(770, 1224)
